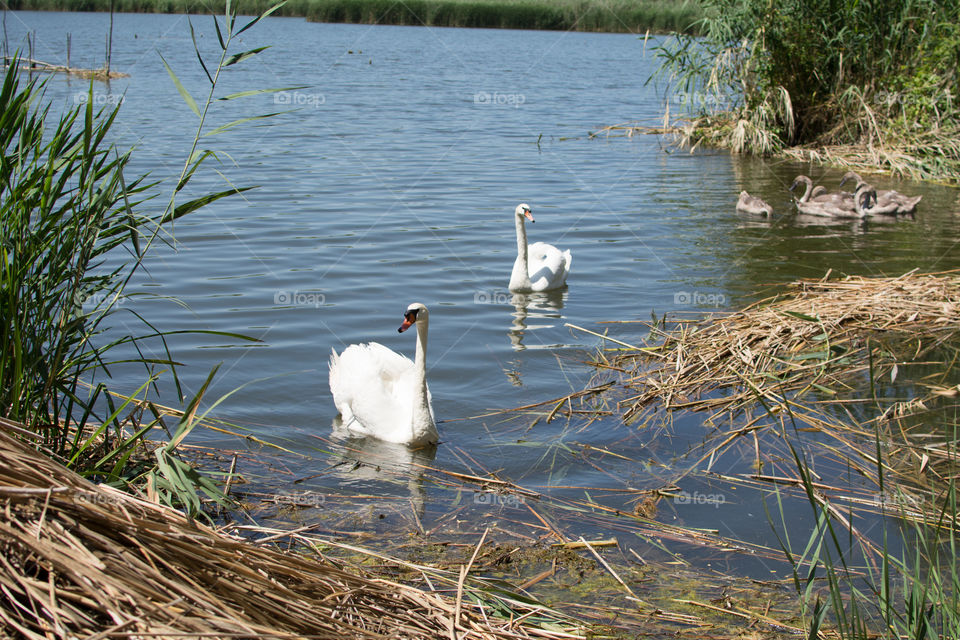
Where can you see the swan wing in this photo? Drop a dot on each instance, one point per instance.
(904, 204)
(814, 209)
(548, 266)
(753, 204)
(372, 387)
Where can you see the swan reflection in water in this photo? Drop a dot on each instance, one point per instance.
(366, 465)
(541, 310)
(856, 226)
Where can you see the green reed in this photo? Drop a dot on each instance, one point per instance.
(860, 588)
(880, 74)
(66, 212)
(630, 16)
(63, 206)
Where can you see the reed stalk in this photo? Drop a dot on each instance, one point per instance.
(66, 212)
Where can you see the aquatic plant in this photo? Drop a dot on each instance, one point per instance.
(852, 383)
(872, 80)
(864, 588)
(66, 212)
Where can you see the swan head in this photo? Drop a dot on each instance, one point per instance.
(800, 180)
(414, 312)
(866, 195)
(523, 210)
(851, 175)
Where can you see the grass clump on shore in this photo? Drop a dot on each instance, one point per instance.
(81, 560)
(73, 232)
(619, 16)
(865, 84)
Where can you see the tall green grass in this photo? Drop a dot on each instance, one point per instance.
(64, 205)
(881, 74)
(861, 588)
(864, 590)
(632, 16)
(65, 208)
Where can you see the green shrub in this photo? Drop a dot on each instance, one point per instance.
(831, 72)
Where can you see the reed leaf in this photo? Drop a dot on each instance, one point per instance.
(65, 210)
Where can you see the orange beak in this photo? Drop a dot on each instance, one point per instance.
(408, 320)
(529, 215)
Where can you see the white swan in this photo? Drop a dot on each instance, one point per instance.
(539, 266)
(380, 393)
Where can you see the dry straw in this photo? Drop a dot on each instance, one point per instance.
(816, 335)
(808, 358)
(83, 560)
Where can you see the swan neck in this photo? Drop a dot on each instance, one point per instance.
(421, 421)
(520, 278)
(521, 239)
(808, 187)
(420, 359)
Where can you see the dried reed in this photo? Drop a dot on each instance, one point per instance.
(813, 336)
(85, 560)
(809, 357)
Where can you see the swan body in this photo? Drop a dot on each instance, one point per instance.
(539, 266)
(888, 200)
(752, 204)
(835, 205)
(830, 205)
(382, 394)
(870, 205)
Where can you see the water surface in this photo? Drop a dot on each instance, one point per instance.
(391, 177)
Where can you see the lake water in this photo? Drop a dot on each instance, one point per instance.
(394, 181)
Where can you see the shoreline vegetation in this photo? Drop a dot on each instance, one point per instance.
(86, 560)
(843, 391)
(618, 16)
(862, 85)
(73, 546)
